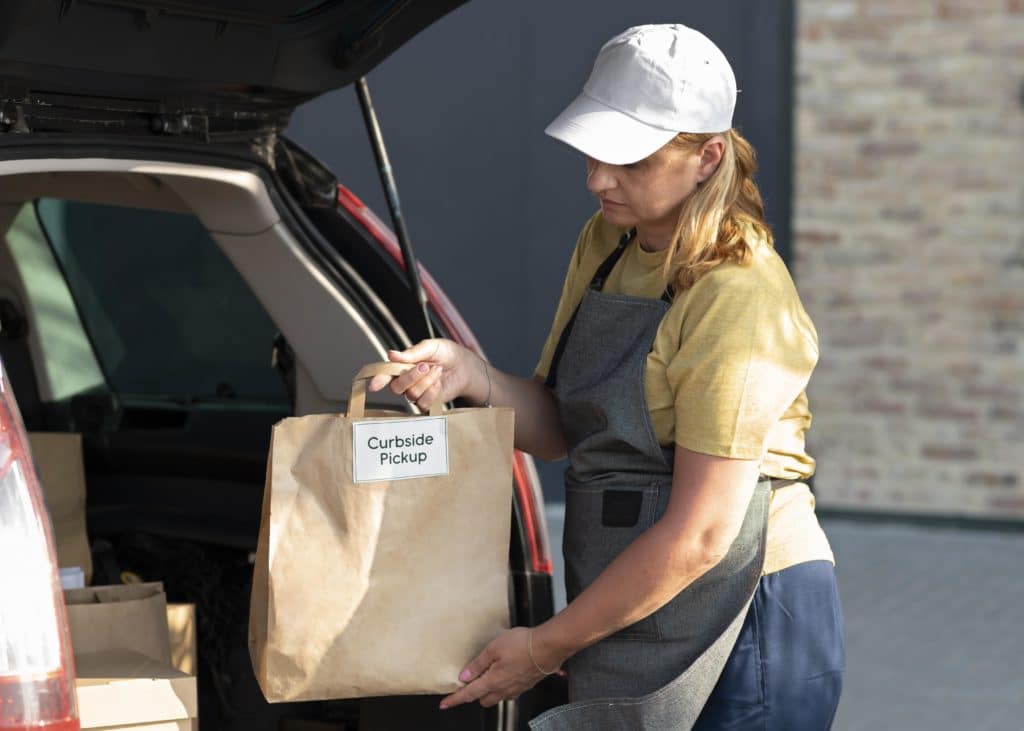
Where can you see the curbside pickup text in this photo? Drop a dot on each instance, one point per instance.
(399, 449)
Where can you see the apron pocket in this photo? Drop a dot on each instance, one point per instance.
(621, 508)
(599, 525)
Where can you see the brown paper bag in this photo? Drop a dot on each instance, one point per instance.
(382, 565)
(181, 624)
(58, 457)
(120, 617)
(123, 690)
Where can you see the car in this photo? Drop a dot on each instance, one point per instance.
(176, 276)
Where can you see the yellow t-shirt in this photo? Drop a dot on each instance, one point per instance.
(727, 372)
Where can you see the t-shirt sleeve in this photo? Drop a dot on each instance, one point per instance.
(572, 293)
(746, 353)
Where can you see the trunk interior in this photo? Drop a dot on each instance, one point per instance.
(142, 302)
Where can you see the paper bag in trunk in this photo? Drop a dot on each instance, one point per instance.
(120, 617)
(121, 690)
(382, 565)
(58, 457)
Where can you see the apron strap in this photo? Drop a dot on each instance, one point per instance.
(596, 284)
(597, 281)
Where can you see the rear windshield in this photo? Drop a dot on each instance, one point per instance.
(166, 311)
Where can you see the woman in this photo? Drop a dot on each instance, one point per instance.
(702, 591)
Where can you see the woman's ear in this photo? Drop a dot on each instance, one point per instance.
(710, 156)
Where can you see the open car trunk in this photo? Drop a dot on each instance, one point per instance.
(144, 301)
(163, 363)
(201, 68)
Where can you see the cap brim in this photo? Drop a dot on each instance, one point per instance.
(605, 134)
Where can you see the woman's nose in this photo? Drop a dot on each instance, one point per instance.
(599, 176)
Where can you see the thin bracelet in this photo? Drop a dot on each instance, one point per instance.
(487, 372)
(529, 650)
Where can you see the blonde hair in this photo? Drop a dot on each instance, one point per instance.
(722, 219)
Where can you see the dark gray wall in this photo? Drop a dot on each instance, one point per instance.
(493, 206)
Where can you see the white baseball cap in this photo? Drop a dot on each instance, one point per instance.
(649, 84)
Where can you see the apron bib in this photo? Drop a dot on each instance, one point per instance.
(659, 672)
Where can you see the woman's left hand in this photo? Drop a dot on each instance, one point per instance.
(501, 672)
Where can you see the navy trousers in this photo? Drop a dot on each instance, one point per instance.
(786, 671)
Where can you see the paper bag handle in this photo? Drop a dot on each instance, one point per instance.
(357, 399)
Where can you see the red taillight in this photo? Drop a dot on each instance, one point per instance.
(37, 680)
(524, 473)
(532, 499)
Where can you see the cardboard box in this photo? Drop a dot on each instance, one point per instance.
(126, 690)
(129, 617)
(181, 622)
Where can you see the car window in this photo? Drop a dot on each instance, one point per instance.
(167, 313)
(53, 349)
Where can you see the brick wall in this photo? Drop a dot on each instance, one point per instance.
(909, 250)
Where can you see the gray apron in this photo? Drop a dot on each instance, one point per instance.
(659, 672)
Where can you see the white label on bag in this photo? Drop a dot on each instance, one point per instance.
(399, 449)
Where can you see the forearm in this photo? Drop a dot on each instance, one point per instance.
(538, 428)
(710, 496)
(641, 580)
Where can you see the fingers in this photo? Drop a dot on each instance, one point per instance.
(496, 674)
(472, 692)
(477, 667)
(430, 397)
(417, 390)
(421, 384)
(401, 384)
(471, 675)
(377, 383)
(491, 699)
(478, 690)
(423, 350)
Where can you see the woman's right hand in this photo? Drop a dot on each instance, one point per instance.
(442, 370)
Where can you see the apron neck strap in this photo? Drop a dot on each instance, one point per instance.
(596, 285)
(598, 280)
(601, 275)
